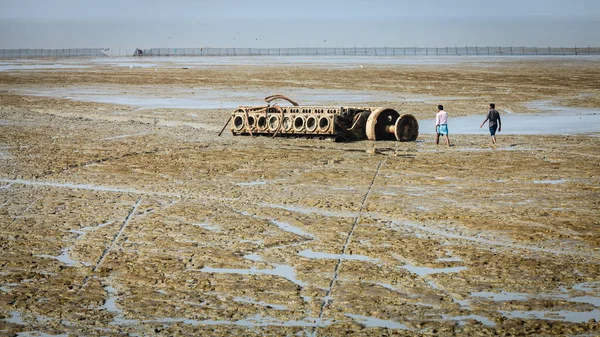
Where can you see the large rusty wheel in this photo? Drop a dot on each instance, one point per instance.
(379, 122)
(387, 124)
(407, 128)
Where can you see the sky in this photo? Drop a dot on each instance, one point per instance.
(308, 23)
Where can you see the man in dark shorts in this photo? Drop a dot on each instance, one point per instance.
(495, 123)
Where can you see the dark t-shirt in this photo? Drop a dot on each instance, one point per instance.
(493, 116)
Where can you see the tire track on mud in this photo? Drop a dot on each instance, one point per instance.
(327, 297)
(115, 239)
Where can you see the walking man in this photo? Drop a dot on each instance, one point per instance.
(441, 125)
(495, 123)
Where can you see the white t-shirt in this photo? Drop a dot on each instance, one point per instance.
(441, 118)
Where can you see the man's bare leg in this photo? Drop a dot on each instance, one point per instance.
(494, 140)
(437, 139)
(447, 140)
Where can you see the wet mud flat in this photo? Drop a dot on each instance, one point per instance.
(116, 220)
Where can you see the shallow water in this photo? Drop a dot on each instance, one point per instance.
(561, 315)
(15, 318)
(557, 121)
(110, 304)
(551, 182)
(284, 226)
(508, 296)
(284, 271)
(372, 322)
(10, 67)
(65, 258)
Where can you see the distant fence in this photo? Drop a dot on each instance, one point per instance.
(348, 51)
(370, 51)
(53, 53)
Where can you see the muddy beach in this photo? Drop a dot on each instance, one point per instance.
(122, 212)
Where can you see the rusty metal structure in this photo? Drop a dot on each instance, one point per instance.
(336, 123)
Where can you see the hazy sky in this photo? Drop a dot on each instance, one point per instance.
(308, 23)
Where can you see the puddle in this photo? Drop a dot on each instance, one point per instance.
(110, 304)
(587, 286)
(507, 296)
(595, 301)
(550, 182)
(253, 257)
(346, 257)
(292, 229)
(449, 259)
(15, 318)
(424, 271)
(65, 258)
(85, 230)
(260, 303)
(393, 194)
(561, 315)
(284, 226)
(372, 322)
(387, 286)
(462, 319)
(284, 271)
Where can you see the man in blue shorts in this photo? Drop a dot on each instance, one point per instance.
(495, 123)
(441, 125)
